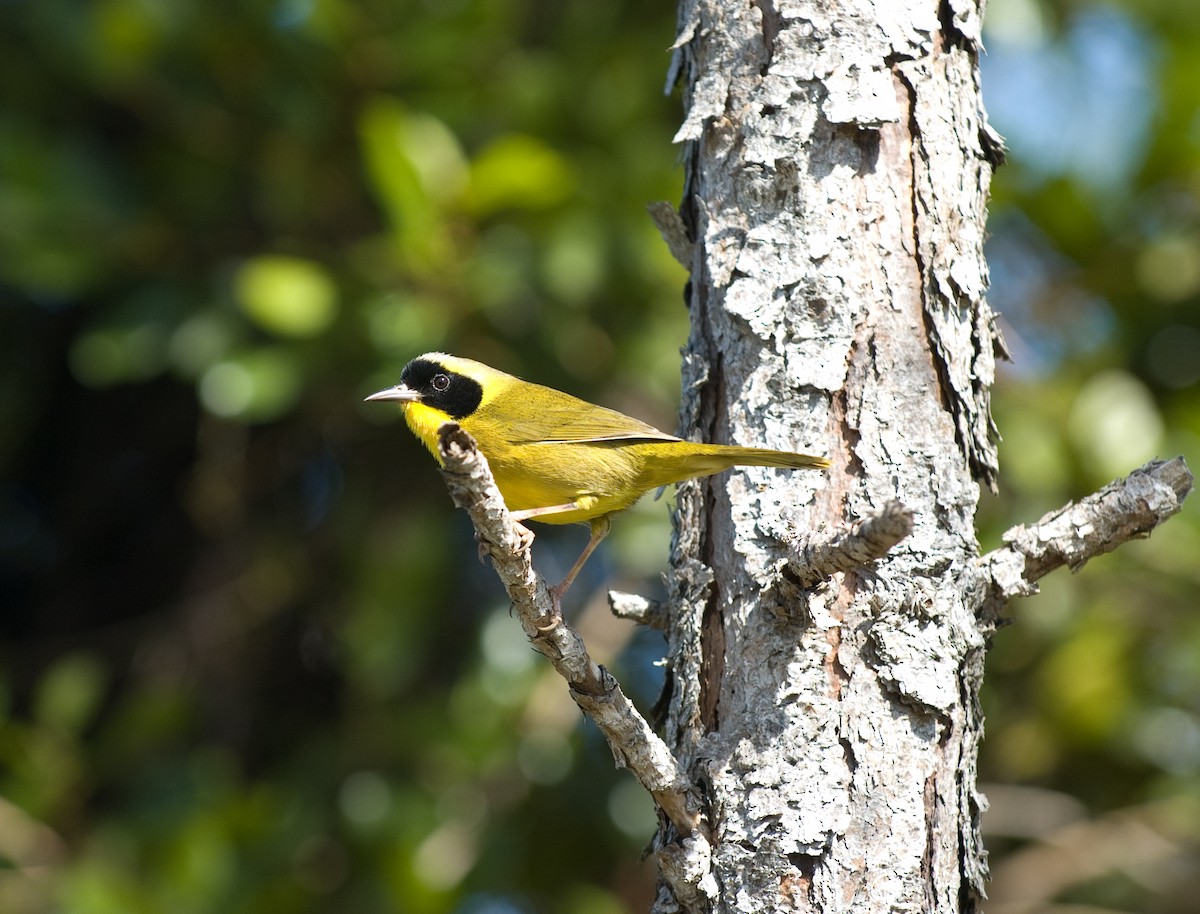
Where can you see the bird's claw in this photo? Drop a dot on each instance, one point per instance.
(556, 616)
(525, 536)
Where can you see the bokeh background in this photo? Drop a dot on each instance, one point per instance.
(250, 663)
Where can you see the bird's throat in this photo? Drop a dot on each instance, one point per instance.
(425, 422)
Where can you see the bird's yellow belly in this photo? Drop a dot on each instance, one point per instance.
(598, 478)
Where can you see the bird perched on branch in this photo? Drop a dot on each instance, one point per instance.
(557, 459)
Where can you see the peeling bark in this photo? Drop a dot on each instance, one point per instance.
(837, 163)
(825, 695)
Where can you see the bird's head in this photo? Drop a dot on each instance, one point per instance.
(441, 383)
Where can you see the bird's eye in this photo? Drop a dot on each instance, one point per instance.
(440, 381)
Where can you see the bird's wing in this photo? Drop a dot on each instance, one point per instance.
(569, 422)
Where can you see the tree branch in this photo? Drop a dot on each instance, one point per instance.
(674, 233)
(815, 555)
(634, 744)
(639, 609)
(1125, 509)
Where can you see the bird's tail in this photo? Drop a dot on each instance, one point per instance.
(706, 459)
(724, 456)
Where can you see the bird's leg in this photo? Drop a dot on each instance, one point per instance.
(600, 527)
(538, 512)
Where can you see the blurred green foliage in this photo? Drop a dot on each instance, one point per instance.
(1095, 256)
(244, 670)
(247, 663)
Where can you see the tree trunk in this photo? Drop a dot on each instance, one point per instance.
(837, 164)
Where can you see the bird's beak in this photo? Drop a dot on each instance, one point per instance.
(399, 393)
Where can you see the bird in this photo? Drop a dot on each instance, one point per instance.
(558, 459)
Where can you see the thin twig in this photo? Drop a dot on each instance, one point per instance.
(635, 608)
(815, 555)
(1125, 509)
(634, 744)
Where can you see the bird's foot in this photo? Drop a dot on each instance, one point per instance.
(524, 535)
(556, 616)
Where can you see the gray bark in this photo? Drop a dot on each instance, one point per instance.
(837, 165)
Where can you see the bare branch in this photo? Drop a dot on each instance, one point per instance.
(634, 744)
(818, 554)
(674, 233)
(1125, 509)
(639, 609)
